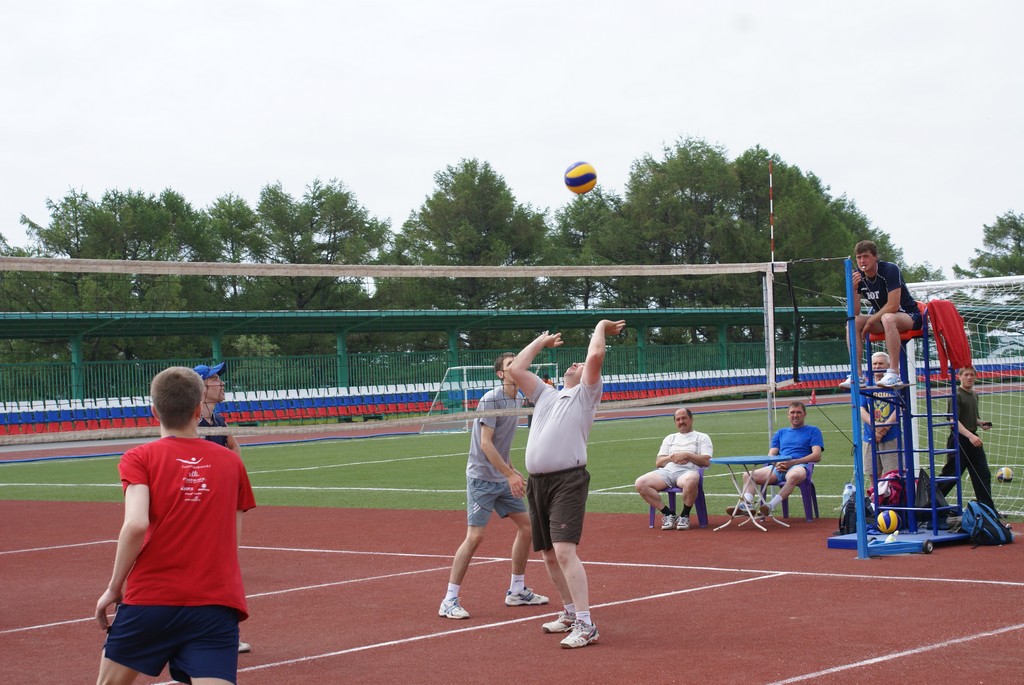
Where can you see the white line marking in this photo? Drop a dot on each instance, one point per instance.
(499, 624)
(358, 463)
(53, 547)
(897, 655)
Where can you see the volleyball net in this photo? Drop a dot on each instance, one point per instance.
(315, 349)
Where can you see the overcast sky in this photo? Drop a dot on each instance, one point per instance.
(912, 109)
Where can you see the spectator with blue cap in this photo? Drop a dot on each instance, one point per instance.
(213, 394)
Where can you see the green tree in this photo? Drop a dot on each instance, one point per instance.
(573, 244)
(233, 238)
(681, 209)
(1002, 252)
(471, 219)
(123, 225)
(325, 226)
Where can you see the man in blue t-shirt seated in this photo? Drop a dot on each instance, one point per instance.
(893, 308)
(803, 445)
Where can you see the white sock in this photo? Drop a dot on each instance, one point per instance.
(453, 591)
(518, 584)
(570, 609)
(775, 502)
(748, 497)
(584, 617)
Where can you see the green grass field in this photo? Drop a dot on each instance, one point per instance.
(428, 471)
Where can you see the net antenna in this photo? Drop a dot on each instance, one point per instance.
(771, 211)
(993, 314)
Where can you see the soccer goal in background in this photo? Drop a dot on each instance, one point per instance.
(993, 313)
(460, 391)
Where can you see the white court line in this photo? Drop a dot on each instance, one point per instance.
(765, 573)
(339, 488)
(446, 567)
(476, 562)
(897, 655)
(499, 624)
(61, 485)
(358, 463)
(41, 626)
(813, 574)
(53, 547)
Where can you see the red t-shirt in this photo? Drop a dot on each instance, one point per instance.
(190, 553)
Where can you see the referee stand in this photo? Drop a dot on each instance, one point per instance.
(922, 515)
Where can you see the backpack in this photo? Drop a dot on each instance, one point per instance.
(983, 526)
(848, 515)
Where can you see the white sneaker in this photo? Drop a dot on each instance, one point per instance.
(890, 379)
(668, 522)
(244, 647)
(450, 608)
(739, 510)
(746, 507)
(683, 523)
(524, 597)
(845, 385)
(562, 624)
(581, 636)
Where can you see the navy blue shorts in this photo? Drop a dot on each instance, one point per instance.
(197, 642)
(918, 320)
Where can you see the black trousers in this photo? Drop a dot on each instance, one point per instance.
(974, 460)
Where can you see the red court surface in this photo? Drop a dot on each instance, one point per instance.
(351, 596)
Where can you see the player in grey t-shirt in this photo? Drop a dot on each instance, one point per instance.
(493, 484)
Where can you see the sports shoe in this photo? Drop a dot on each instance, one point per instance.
(562, 624)
(683, 523)
(450, 608)
(526, 596)
(744, 508)
(581, 636)
(890, 379)
(244, 647)
(668, 522)
(845, 385)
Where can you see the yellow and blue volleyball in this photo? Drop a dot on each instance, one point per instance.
(580, 178)
(1004, 474)
(888, 522)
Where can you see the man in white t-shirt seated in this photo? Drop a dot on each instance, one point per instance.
(682, 457)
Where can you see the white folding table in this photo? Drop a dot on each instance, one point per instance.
(748, 464)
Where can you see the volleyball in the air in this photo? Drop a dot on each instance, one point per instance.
(580, 178)
(888, 521)
(1004, 474)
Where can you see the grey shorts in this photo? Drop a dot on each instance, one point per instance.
(485, 496)
(670, 478)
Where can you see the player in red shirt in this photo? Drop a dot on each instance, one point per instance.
(177, 584)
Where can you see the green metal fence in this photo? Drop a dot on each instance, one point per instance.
(60, 380)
